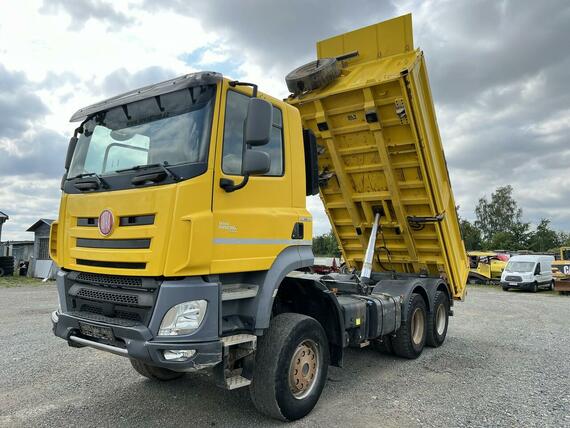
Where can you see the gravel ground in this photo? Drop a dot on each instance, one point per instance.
(506, 362)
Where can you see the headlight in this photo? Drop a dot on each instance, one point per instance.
(183, 318)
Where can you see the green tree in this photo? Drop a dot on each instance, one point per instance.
(501, 216)
(544, 238)
(326, 245)
(471, 235)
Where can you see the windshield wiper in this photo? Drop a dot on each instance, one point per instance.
(98, 181)
(163, 166)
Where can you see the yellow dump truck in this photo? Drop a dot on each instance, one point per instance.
(183, 228)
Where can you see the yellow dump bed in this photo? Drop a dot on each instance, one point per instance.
(381, 149)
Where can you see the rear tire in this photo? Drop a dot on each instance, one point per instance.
(438, 320)
(155, 373)
(291, 365)
(551, 286)
(411, 337)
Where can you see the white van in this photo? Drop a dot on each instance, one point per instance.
(529, 272)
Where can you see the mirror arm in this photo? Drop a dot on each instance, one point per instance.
(235, 83)
(228, 184)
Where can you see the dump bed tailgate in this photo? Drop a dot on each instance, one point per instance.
(380, 151)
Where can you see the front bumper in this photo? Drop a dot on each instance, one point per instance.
(518, 285)
(138, 339)
(137, 342)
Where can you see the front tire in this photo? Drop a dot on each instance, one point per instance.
(291, 365)
(155, 373)
(534, 288)
(411, 336)
(438, 320)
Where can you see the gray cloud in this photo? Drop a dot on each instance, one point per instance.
(82, 11)
(19, 105)
(121, 80)
(40, 153)
(279, 36)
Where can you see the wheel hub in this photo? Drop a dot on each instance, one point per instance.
(440, 319)
(418, 322)
(304, 369)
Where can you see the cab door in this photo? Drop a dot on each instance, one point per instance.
(252, 224)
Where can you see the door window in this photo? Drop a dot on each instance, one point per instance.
(236, 111)
(537, 269)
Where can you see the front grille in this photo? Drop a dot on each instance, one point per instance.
(116, 265)
(114, 280)
(114, 244)
(94, 314)
(106, 296)
(119, 298)
(92, 309)
(513, 278)
(137, 220)
(133, 316)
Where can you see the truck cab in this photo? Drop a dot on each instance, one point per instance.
(528, 272)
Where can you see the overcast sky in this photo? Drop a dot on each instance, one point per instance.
(499, 72)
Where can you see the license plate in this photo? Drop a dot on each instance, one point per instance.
(512, 283)
(98, 332)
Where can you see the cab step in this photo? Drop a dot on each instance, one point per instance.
(236, 382)
(239, 291)
(238, 339)
(236, 347)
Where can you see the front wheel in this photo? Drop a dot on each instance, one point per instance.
(534, 288)
(438, 320)
(291, 365)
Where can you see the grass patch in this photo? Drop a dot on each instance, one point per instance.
(20, 281)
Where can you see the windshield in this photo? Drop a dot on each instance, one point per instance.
(169, 129)
(520, 267)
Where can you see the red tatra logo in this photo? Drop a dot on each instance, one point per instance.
(106, 222)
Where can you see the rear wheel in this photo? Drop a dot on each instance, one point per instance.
(438, 320)
(411, 337)
(155, 373)
(291, 364)
(551, 286)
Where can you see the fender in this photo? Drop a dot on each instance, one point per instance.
(427, 287)
(288, 260)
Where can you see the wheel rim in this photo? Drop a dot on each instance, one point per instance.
(418, 326)
(440, 319)
(304, 369)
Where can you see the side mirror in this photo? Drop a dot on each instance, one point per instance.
(257, 128)
(256, 162)
(70, 151)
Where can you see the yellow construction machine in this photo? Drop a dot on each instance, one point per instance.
(486, 266)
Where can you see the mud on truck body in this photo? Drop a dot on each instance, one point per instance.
(183, 224)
